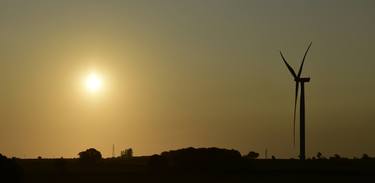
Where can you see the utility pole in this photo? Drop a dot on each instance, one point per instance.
(113, 150)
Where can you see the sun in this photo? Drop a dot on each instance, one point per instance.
(93, 82)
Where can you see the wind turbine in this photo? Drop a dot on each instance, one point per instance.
(299, 80)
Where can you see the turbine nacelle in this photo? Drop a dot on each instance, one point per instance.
(302, 80)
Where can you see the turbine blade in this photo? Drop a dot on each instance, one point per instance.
(287, 65)
(294, 114)
(303, 60)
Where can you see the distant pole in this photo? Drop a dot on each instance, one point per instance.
(113, 150)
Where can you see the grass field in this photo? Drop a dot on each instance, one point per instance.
(138, 169)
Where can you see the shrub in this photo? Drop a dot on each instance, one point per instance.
(252, 155)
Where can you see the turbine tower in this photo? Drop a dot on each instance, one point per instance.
(299, 80)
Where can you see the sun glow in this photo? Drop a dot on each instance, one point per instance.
(93, 83)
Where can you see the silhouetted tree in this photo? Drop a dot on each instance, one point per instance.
(365, 156)
(127, 153)
(90, 155)
(252, 155)
(273, 157)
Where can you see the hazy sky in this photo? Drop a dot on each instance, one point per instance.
(176, 74)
